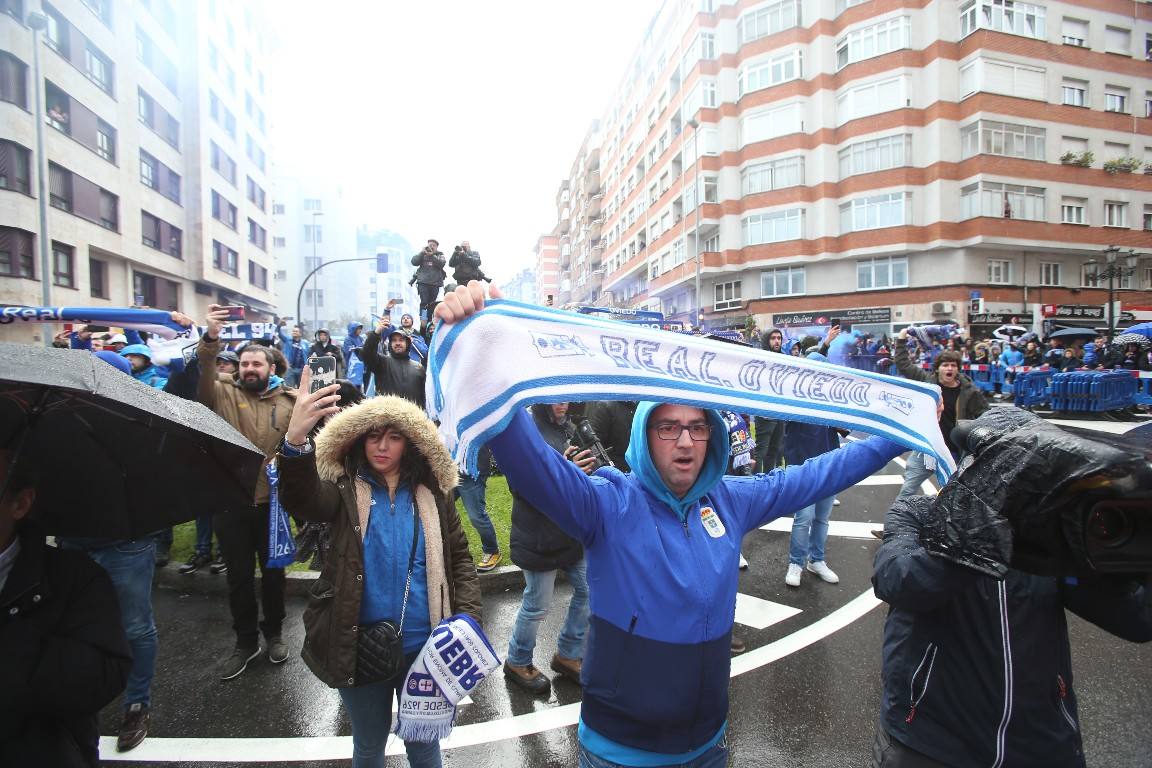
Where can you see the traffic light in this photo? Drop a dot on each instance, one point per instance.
(976, 306)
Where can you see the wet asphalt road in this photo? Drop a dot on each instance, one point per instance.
(816, 706)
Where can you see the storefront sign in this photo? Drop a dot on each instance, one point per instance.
(1081, 311)
(847, 317)
(991, 318)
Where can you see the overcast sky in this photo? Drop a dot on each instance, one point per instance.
(455, 119)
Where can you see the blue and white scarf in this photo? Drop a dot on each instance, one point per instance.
(511, 355)
(451, 664)
(281, 543)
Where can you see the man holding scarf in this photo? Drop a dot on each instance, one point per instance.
(662, 545)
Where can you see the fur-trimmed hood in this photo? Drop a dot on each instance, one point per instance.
(338, 436)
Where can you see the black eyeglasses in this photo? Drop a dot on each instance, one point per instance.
(672, 431)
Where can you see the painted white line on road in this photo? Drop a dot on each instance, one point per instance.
(758, 613)
(835, 528)
(882, 480)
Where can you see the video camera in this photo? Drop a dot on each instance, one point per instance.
(582, 437)
(1076, 501)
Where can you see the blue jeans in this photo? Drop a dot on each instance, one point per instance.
(809, 532)
(471, 491)
(717, 757)
(163, 539)
(538, 589)
(131, 565)
(914, 475)
(370, 709)
(204, 535)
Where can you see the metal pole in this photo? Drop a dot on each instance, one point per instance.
(696, 219)
(304, 282)
(316, 281)
(1111, 302)
(37, 21)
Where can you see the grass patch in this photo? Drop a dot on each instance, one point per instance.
(499, 509)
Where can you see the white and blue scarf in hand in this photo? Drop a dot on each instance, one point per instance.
(512, 355)
(455, 659)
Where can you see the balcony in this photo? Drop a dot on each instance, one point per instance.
(594, 228)
(565, 221)
(594, 206)
(592, 182)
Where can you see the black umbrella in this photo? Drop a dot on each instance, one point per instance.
(1073, 333)
(115, 457)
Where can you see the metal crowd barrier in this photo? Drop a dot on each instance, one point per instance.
(1093, 391)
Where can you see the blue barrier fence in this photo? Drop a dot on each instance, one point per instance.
(1032, 388)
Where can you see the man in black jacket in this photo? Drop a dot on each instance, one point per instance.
(612, 422)
(429, 277)
(396, 373)
(976, 671)
(465, 264)
(323, 346)
(541, 549)
(63, 653)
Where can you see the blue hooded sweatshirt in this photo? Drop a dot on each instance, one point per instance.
(663, 576)
(152, 375)
(352, 341)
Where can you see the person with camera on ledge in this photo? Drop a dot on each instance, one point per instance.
(398, 562)
(429, 277)
(465, 264)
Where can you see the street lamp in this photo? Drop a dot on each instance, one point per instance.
(38, 22)
(1113, 272)
(315, 270)
(696, 211)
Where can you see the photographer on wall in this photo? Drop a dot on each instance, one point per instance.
(429, 277)
(465, 263)
(976, 661)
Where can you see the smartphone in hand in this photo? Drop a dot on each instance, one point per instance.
(235, 313)
(323, 369)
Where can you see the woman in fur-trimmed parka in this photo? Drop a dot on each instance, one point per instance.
(379, 475)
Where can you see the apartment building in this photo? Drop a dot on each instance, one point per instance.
(547, 253)
(883, 161)
(154, 142)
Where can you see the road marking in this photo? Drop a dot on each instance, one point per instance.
(835, 528)
(759, 613)
(882, 480)
(303, 748)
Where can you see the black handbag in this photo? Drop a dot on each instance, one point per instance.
(380, 646)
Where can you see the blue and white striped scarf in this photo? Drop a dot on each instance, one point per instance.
(512, 355)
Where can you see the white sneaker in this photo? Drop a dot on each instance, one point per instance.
(821, 569)
(792, 578)
(743, 562)
(835, 502)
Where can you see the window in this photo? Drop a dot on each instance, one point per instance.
(870, 99)
(224, 258)
(311, 204)
(98, 68)
(59, 187)
(13, 80)
(785, 281)
(63, 272)
(1090, 277)
(159, 121)
(773, 227)
(149, 170)
(57, 32)
(109, 209)
(223, 211)
(882, 272)
(97, 279)
(776, 174)
(768, 20)
(150, 227)
(313, 297)
(106, 141)
(1074, 92)
(1008, 78)
(1074, 32)
(874, 212)
(999, 271)
(727, 295)
(1115, 99)
(15, 167)
(257, 275)
(16, 253)
(1074, 210)
(712, 244)
(279, 242)
(768, 124)
(221, 115)
(255, 153)
(313, 233)
(990, 137)
(1148, 218)
(1115, 214)
(1009, 201)
(277, 209)
(1118, 40)
(257, 235)
(873, 40)
(876, 155)
(222, 163)
(773, 71)
(255, 194)
(1009, 16)
(1050, 273)
(155, 291)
